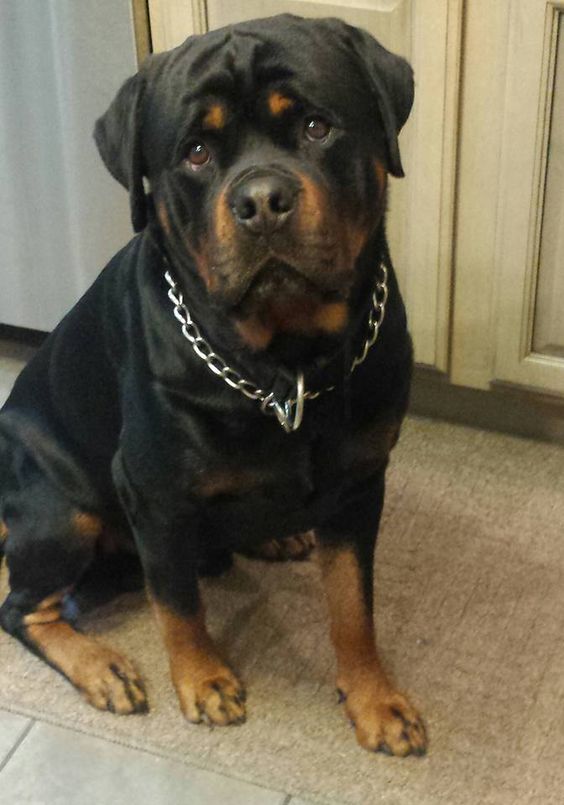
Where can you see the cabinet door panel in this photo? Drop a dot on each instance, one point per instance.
(530, 253)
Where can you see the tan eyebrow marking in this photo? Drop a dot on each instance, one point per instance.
(278, 103)
(215, 117)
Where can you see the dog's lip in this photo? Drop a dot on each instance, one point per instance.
(273, 271)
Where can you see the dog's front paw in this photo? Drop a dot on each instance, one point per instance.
(109, 682)
(216, 700)
(385, 721)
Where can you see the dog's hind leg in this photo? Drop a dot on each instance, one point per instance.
(49, 544)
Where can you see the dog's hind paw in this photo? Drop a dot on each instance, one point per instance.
(295, 548)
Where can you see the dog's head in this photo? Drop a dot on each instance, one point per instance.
(266, 147)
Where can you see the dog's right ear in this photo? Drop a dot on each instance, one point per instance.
(118, 137)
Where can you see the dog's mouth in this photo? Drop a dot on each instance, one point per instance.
(279, 284)
(280, 299)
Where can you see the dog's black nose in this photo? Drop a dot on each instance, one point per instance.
(264, 203)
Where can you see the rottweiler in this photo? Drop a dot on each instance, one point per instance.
(235, 378)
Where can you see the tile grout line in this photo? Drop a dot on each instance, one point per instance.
(137, 749)
(17, 745)
(192, 763)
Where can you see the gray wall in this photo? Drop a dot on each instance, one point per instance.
(61, 214)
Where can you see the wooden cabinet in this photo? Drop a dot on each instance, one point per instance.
(530, 249)
(508, 305)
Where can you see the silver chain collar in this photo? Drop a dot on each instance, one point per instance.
(289, 413)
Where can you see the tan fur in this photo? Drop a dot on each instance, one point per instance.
(312, 209)
(106, 680)
(48, 611)
(383, 717)
(226, 481)
(254, 333)
(215, 117)
(224, 224)
(3, 531)
(331, 318)
(162, 214)
(203, 266)
(371, 446)
(207, 689)
(278, 104)
(87, 525)
(381, 174)
(296, 547)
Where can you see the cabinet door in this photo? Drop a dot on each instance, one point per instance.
(427, 33)
(530, 249)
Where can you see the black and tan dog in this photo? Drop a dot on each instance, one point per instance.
(259, 399)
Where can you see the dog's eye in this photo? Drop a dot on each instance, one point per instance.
(317, 129)
(198, 156)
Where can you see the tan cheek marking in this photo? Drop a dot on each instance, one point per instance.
(331, 318)
(215, 117)
(223, 219)
(162, 215)
(357, 238)
(381, 174)
(87, 525)
(313, 204)
(357, 234)
(278, 103)
(203, 266)
(3, 531)
(254, 333)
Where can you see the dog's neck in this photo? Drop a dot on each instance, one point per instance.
(324, 360)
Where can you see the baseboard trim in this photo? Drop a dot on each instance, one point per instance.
(21, 335)
(502, 408)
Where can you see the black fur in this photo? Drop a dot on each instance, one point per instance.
(116, 416)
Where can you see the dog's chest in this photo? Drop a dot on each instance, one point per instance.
(287, 486)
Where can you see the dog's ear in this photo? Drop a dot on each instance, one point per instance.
(119, 139)
(391, 79)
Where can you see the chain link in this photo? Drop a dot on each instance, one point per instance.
(217, 365)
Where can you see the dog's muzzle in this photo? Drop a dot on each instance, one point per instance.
(262, 200)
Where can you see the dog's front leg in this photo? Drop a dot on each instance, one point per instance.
(383, 718)
(167, 541)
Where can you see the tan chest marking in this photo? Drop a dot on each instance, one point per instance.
(227, 482)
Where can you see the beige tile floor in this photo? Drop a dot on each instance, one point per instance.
(45, 765)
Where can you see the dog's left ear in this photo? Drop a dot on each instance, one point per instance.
(118, 137)
(391, 79)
